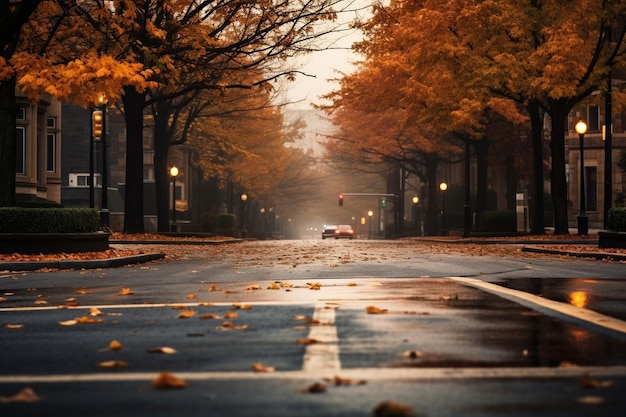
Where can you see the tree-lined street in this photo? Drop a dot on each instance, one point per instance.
(320, 328)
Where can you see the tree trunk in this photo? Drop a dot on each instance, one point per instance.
(133, 201)
(481, 148)
(8, 114)
(430, 225)
(161, 175)
(538, 224)
(558, 179)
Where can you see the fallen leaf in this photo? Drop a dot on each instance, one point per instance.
(191, 296)
(93, 311)
(41, 302)
(13, 326)
(71, 302)
(210, 316)
(274, 286)
(259, 367)
(164, 349)
(88, 320)
(588, 382)
(231, 315)
(375, 310)
(338, 381)
(23, 396)
(352, 284)
(213, 288)
(81, 291)
(113, 364)
(115, 345)
(227, 325)
(69, 323)
(242, 306)
(165, 380)
(253, 287)
(230, 292)
(205, 304)
(126, 291)
(590, 400)
(393, 409)
(314, 286)
(413, 354)
(315, 388)
(187, 313)
(307, 341)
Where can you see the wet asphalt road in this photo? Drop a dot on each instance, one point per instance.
(439, 345)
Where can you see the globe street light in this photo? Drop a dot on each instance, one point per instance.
(443, 187)
(244, 198)
(416, 200)
(173, 174)
(583, 220)
(370, 214)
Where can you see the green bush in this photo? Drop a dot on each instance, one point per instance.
(48, 220)
(497, 221)
(616, 219)
(212, 222)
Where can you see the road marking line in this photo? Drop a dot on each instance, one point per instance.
(322, 356)
(539, 303)
(371, 374)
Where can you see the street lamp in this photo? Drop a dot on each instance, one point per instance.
(416, 200)
(173, 174)
(370, 214)
(99, 132)
(583, 220)
(244, 198)
(443, 187)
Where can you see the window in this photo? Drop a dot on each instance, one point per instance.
(51, 122)
(591, 194)
(82, 180)
(20, 144)
(593, 119)
(21, 113)
(51, 152)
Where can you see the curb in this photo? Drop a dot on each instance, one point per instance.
(594, 255)
(81, 264)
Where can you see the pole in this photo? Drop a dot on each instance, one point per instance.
(467, 209)
(104, 210)
(608, 152)
(91, 167)
(582, 216)
(173, 203)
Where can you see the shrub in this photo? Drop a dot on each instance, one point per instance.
(616, 219)
(48, 220)
(497, 221)
(212, 222)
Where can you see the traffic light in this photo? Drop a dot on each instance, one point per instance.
(341, 199)
(97, 125)
(383, 203)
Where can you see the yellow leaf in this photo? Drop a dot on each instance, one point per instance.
(69, 323)
(25, 395)
(259, 367)
(112, 364)
(88, 320)
(187, 313)
(95, 312)
(126, 291)
(274, 286)
(231, 315)
(242, 306)
(191, 296)
(165, 380)
(393, 409)
(307, 341)
(115, 345)
(210, 316)
(253, 287)
(375, 310)
(13, 326)
(314, 285)
(164, 349)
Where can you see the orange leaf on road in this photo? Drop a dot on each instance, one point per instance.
(165, 380)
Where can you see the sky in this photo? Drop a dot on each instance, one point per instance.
(327, 64)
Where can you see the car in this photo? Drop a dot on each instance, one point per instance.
(329, 231)
(344, 230)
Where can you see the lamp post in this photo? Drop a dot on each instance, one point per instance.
(583, 221)
(100, 133)
(416, 200)
(244, 198)
(443, 187)
(173, 174)
(370, 214)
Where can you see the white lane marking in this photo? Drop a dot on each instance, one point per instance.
(536, 302)
(323, 356)
(369, 374)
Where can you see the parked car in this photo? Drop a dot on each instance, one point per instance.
(344, 230)
(329, 231)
